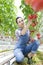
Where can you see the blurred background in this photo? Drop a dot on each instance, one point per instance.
(9, 10)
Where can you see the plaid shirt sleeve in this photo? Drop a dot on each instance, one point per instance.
(17, 33)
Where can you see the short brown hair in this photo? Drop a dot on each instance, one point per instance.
(17, 18)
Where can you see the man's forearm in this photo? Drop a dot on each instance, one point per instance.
(25, 28)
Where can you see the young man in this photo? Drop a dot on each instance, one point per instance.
(23, 37)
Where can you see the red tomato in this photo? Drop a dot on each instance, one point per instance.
(33, 24)
(38, 35)
(37, 5)
(30, 17)
(34, 16)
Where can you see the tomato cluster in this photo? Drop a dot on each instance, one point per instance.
(33, 16)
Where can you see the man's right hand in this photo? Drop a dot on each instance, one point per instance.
(30, 21)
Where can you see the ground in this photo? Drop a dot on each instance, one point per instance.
(37, 59)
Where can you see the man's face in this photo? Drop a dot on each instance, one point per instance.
(20, 22)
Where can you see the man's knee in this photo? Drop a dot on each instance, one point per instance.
(19, 55)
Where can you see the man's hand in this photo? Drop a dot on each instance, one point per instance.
(31, 39)
(30, 22)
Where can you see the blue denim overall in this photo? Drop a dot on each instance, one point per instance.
(21, 48)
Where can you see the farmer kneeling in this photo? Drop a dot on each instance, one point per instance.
(23, 49)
